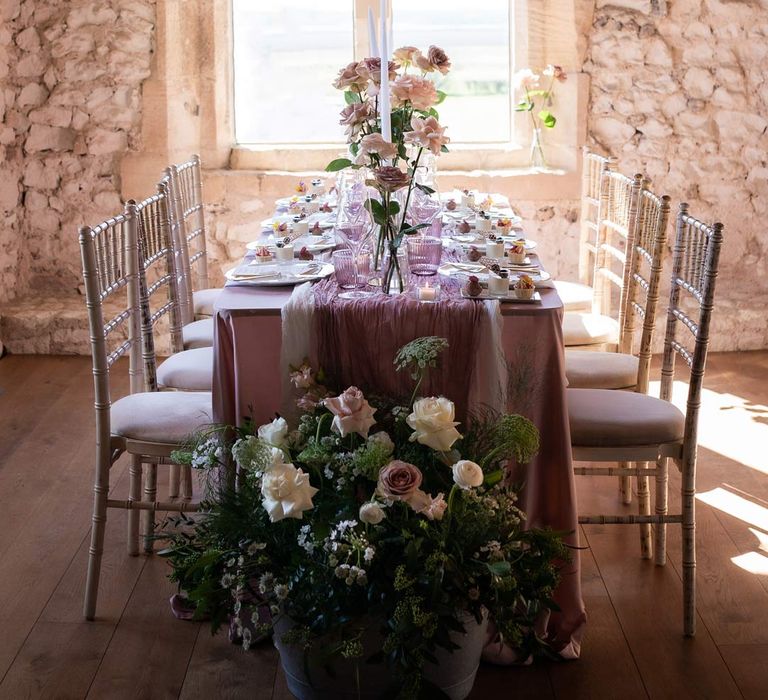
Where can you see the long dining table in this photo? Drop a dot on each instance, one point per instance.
(248, 385)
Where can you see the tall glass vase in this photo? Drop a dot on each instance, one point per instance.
(537, 151)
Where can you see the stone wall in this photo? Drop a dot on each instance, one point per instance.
(677, 91)
(70, 84)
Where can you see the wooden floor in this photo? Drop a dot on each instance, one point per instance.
(633, 646)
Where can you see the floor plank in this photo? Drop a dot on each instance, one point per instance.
(748, 666)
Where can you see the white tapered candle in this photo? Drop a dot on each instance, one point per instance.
(373, 45)
(384, 105)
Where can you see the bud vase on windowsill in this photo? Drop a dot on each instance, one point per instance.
(538, 161)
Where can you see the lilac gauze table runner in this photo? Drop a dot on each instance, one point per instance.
(355, 341)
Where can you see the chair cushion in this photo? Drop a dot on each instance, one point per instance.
(190, 370)
(198, 334)
(605, 418)
(600, 370)
(581, 328)
(574, 295)
(203, 301)
(164, 416)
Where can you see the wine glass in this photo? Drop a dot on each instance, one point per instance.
(355, 227)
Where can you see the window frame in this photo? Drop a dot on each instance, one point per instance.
(462, 156)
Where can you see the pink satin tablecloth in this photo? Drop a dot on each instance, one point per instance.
(247, 383)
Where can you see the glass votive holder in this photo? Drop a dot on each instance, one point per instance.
(343, 265)
(424, 254)
(426, 289)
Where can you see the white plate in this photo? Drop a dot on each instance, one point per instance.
(466, 241)
(325, 220)
(314, 244)
(448, 270)
(277, 275)
(510, 296)
(285, 202)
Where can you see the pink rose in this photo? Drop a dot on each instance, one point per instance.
(434, 60)
(399, 481)
(353, 116)
(375, 143)
(390, 178)
(352, 413)
(302, 378)
(350, 78)
(420, 92)
(369, 69)
(406, 55)
(427, 133)
(429, 507)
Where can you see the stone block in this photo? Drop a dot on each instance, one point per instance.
(9, 192)
(698, 83)
(49, 138)
(103, 141)
(32, 95)
(32, 65)
(28, 39)
(612, 132)
(51, 115)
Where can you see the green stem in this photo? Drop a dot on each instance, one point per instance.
(415, 389)
(319, 426)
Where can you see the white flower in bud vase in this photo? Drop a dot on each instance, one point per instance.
(433, 424)
(352, 413)
(274, 433)
(286, 491)
(371, 513)
(467, 474)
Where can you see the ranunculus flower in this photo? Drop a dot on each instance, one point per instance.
(274, 433)
(433, 424)
(434, 60)
(354, 116)
(350, 78)
(433, 508)
(406, 55)
(371, 513)
(427, 133)
(375, 143)
(420, 92)
(352, 413)
(286, 491)
(525, 79)
(399, 481)
(390, 178)
(467, 474)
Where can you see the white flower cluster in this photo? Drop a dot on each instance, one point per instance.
(351, 574)
(208, 454)
(304, 539)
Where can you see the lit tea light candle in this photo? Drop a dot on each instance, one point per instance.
(427, 293)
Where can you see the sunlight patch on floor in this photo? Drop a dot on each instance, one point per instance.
(728, 424)
(753, 562)
(737, 506)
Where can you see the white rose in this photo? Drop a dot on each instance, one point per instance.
(286, 491)
(274, 433)
(383, 439)
(433, 424)
(371, 513)
(467, 474)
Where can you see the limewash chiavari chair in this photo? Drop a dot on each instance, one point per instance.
(577, 296)
(146, 425)
(184, 370)
(187, 189)
(600, 328)
(620, 426)
(625, 369)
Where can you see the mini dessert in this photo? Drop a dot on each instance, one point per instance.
(451, 205)
(326, 208)
(262, 255)
(284, 250)
(304, 254)
(467, 199)
(300, 227)
(301, 188)
(498, 282)
(525, 287)
(296, 207)
(310, 206)
(318, 188)
(487, 203)
(280, 228)
(316, 230)
(517, 252)
(504, 226)
(464, 227)
(473, 254)
(494, 247)
(482, 223)
(472, 287)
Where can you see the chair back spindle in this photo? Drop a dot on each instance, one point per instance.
(593, 166)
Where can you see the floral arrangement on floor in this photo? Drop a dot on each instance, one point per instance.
(372, 515)
(528, 83)
(380, 139)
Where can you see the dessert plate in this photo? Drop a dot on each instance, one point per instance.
(277, 275)
(314, 244)
(511, 295)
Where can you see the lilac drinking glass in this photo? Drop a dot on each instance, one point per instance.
(424, 253)
(347, 277)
